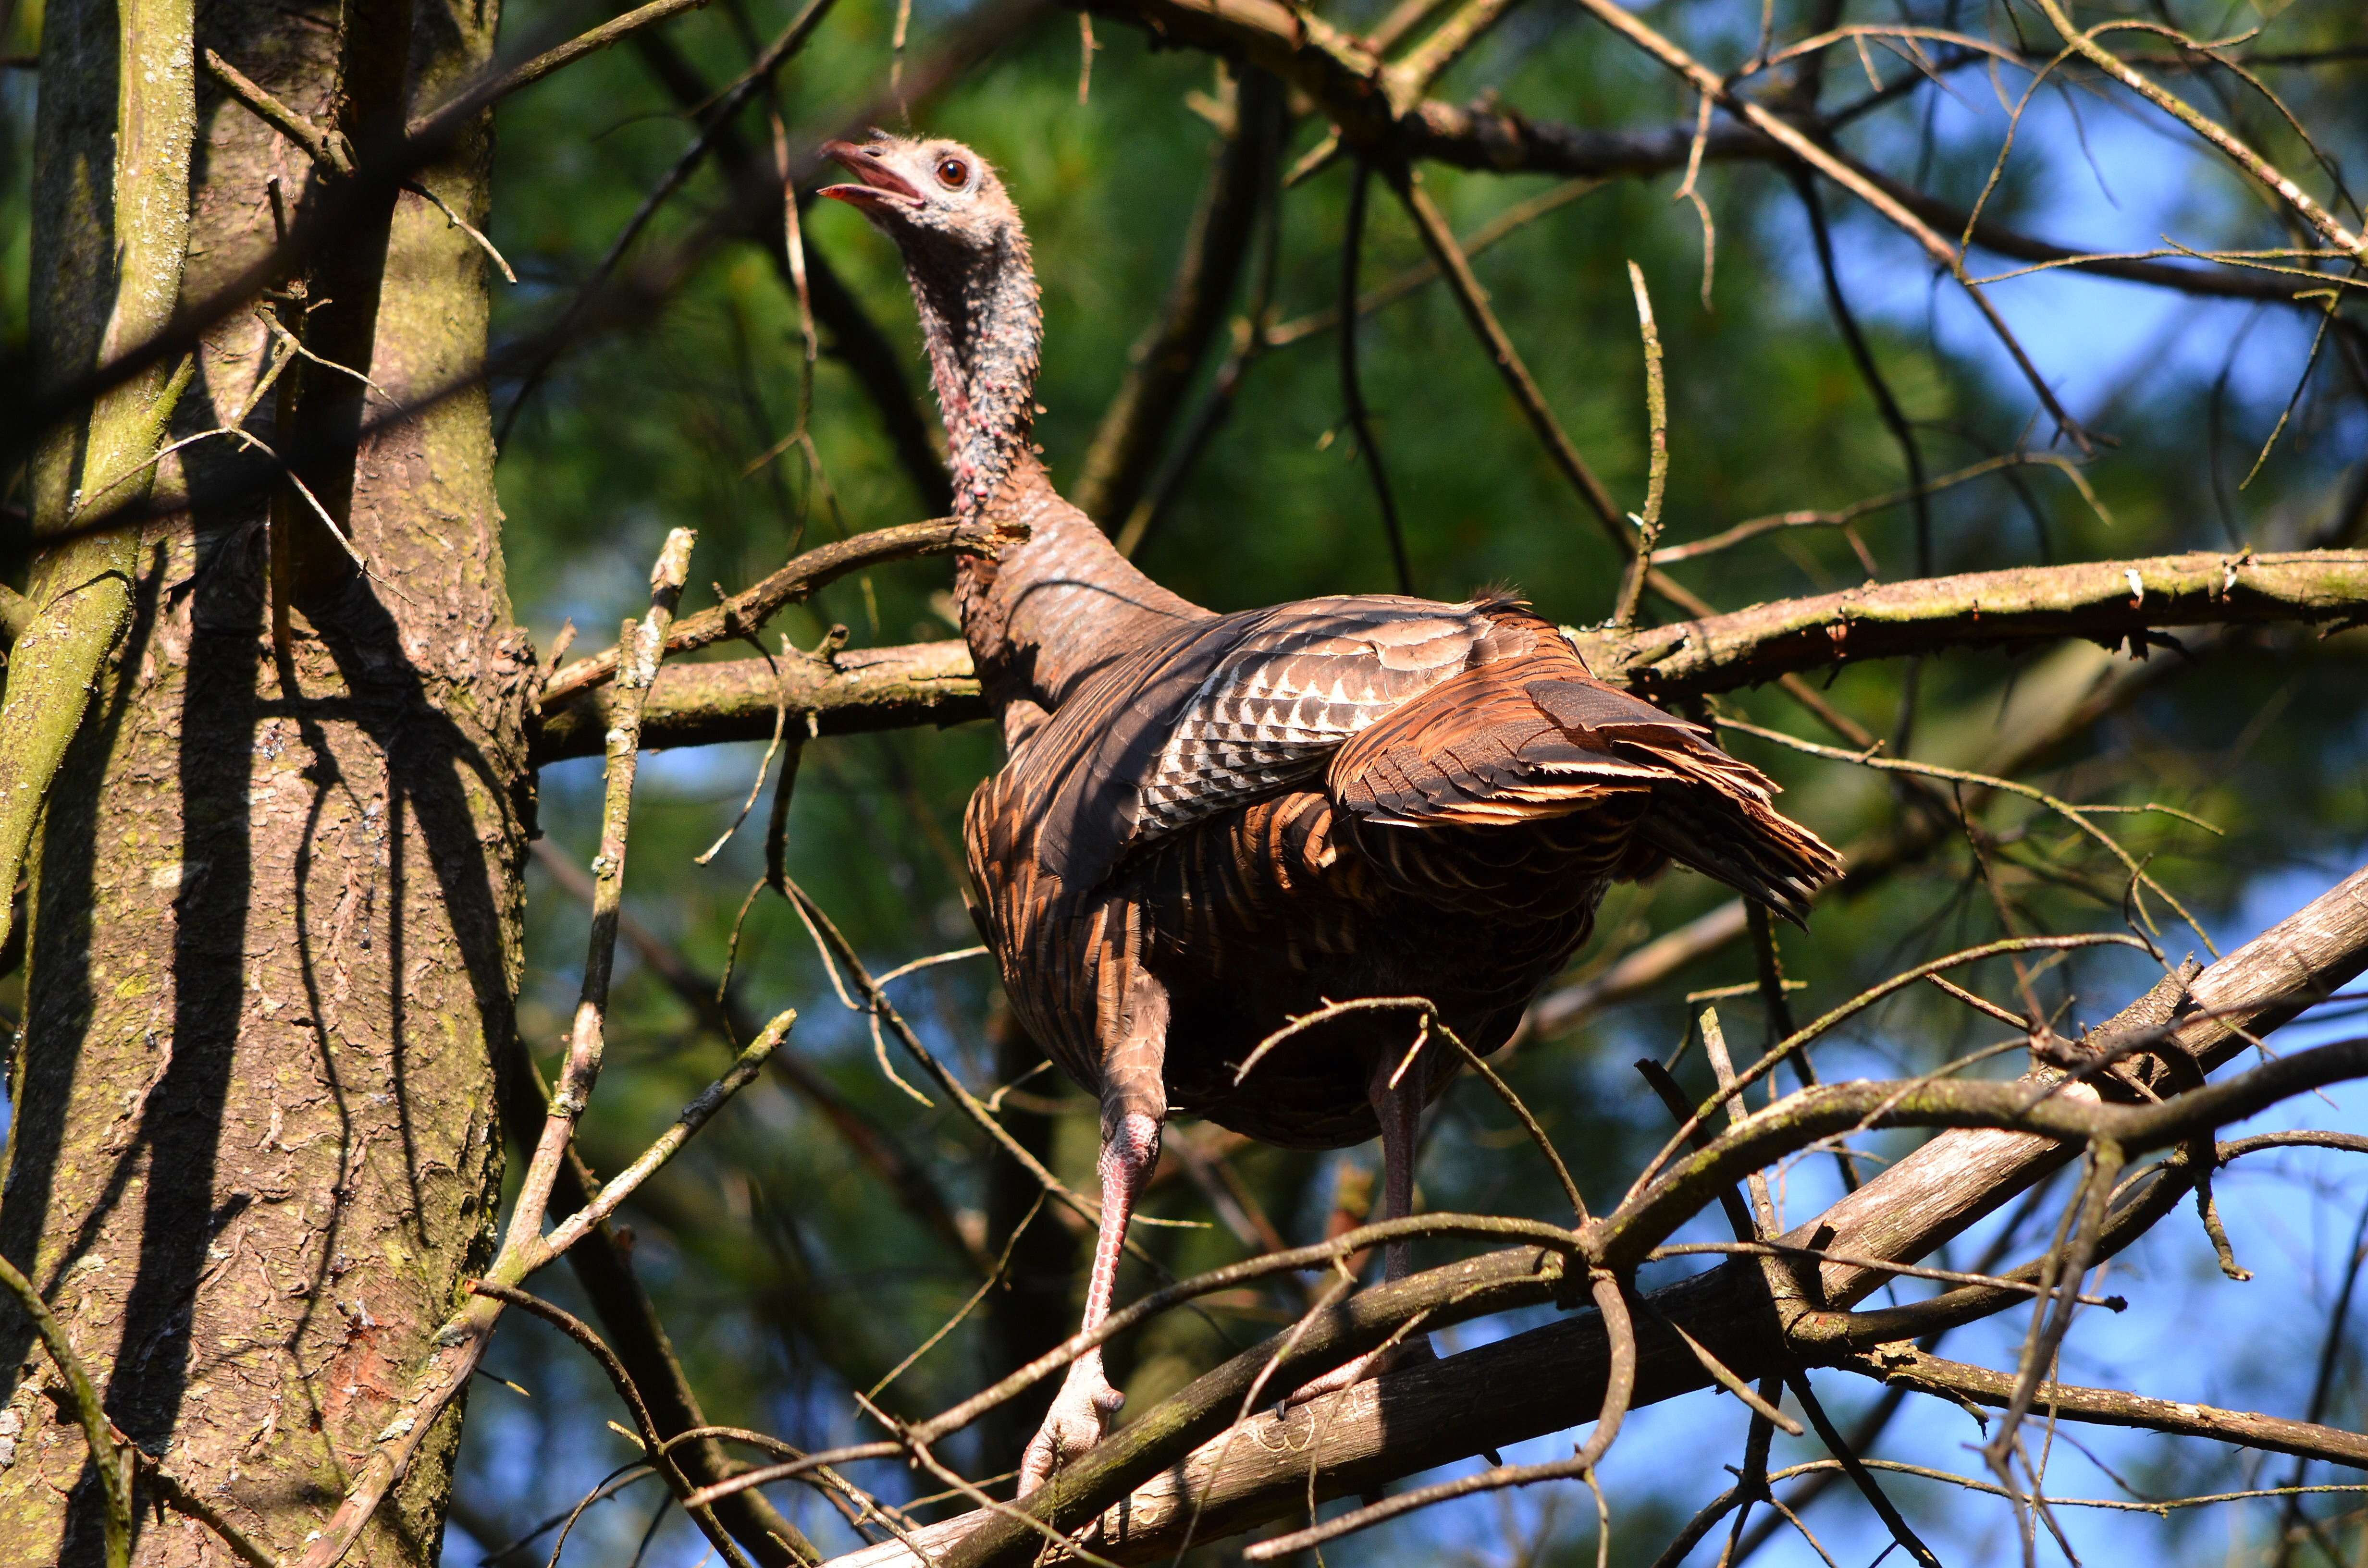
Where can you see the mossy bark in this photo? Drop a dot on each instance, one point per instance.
(112, 181)
(275, 917)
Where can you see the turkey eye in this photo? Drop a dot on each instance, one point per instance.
(952, 173)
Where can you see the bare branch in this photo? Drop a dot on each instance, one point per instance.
(2106, 601)
(1448, 257)
(2233, 147)
(736, 699)
(437, 122)
(330, 152)
(1907, 1366)
(1162, 366)
(1352, 394)
(653, 1441)
(604, 1267)
(1529, 1383)
(747, 611)
(932, 683)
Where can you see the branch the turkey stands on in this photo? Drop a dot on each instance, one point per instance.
(1176, 1471)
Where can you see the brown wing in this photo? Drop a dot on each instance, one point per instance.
(1535, 737)
(1291, 690)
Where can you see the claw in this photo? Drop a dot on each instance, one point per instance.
(1081, 1415)
(1372, 1364)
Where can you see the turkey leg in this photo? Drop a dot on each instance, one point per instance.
(1399, 1110)
(1082, 1410)
(1134, 1105)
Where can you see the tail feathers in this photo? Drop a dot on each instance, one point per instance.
(1523, 741)
(1744, 843)
(1710, 810)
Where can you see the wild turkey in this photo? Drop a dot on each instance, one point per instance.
(1210, 825)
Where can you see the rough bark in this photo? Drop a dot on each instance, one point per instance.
(2110, 601)
(275, 919)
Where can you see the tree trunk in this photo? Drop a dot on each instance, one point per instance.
(275, 918)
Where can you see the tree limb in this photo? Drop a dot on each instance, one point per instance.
(1904, 1366)
(2108, 601)
(932, 683)
(747, 611)
(1531, 1383)
(736, 699)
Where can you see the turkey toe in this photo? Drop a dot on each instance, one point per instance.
(1081, 1415)
(1374, 1364)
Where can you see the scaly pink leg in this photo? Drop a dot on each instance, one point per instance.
(1082, 1410)
(1399, 1110)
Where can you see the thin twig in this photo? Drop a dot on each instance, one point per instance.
(1657, 417)
(1619, 1388)
(331, 154)
(745, 613)
(1842, 171)
(654, 1442)
(1449, 256)
(478, 95)
(111, 1459)
(2234, 148)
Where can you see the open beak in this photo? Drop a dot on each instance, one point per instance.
(879, 185)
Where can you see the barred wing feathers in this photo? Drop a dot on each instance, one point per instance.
(1294, 689)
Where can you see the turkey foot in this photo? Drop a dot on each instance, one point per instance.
(1081, 1414)
(1406, 1353)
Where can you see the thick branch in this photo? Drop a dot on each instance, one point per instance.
(932, 683)
(2108, 601)
(1533, 1383)
(736, 699)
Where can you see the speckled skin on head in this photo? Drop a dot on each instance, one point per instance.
(1211, 825)
(1051, 611)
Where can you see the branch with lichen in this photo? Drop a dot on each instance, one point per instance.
(2111, 602)
(744, 613)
